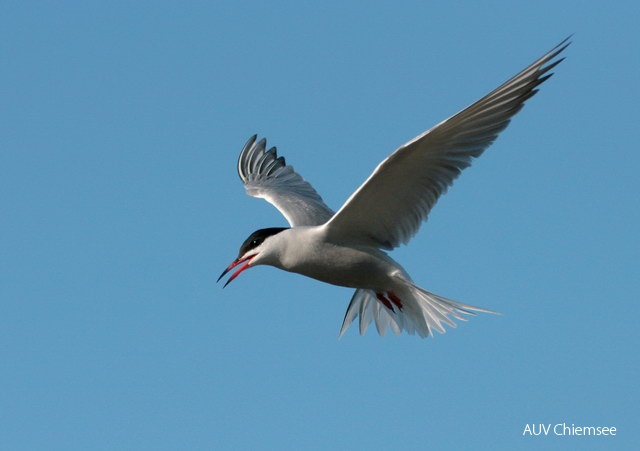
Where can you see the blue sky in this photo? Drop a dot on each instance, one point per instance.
(120, 127)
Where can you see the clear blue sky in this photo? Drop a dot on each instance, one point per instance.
(120, 126)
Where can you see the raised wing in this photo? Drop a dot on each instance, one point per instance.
(266, 175)
(389, 207)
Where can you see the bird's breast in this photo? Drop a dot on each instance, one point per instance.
(336, 264)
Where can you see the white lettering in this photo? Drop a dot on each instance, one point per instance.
(541, 429)
(564, 429)
(546, 430)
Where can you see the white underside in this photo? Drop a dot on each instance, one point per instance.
(305, 250)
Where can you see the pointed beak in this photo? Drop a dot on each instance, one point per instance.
(244, 262)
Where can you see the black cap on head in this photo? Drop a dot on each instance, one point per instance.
(257, 238)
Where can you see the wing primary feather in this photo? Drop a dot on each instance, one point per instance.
(383, 214)
(266, 175)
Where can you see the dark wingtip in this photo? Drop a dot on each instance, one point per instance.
(250, 142)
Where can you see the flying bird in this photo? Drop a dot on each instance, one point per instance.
(347, 247)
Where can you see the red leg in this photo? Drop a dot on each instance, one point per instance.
(385, 301)
(395, 299)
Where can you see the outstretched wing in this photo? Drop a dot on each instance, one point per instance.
(266, 175)
(389, 207)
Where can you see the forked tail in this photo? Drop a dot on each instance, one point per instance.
(412, 309)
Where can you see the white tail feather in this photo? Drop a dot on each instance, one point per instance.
(421, 312)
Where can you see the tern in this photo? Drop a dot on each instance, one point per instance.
(347, 248)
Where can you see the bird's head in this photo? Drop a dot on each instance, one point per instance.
(252, 251)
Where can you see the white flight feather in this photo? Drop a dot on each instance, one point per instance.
(389, 207)
(267, 176)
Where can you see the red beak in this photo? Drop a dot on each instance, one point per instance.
(246, 261)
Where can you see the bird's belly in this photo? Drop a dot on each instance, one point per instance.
(345, 267)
